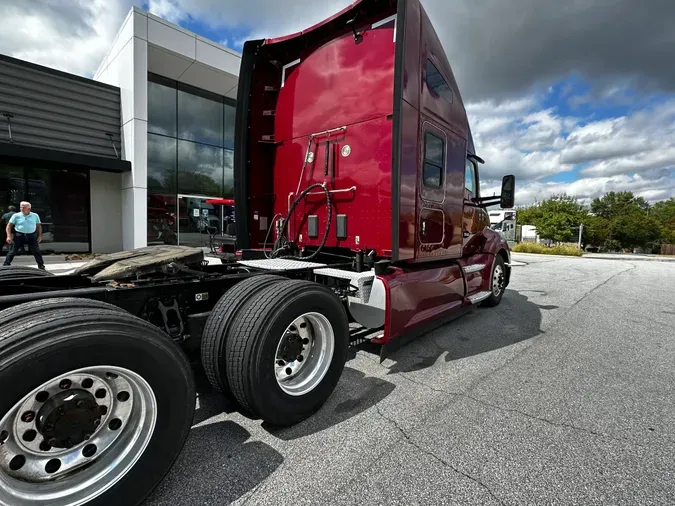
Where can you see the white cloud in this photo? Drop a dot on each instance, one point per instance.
(167, 9)
(640, 142)
(587, 189)
(72, 36)
(514, 135)
(634, 152)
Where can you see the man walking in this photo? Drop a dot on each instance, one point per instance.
(24, 228)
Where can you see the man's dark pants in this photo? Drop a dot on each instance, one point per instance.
(18, 243)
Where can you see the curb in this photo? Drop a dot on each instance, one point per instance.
(593, 256)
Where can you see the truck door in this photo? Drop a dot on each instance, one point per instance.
(439, 199)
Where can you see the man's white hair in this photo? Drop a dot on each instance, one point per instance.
(25, 204)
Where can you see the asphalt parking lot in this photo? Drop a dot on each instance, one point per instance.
(561, 395)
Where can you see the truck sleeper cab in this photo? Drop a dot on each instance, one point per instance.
(357, 199)
(364, 109)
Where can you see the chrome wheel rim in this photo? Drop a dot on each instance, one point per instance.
(498, 280)
(75, 436)
(304, 354)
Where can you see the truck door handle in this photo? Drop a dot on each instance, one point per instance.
(424, 228)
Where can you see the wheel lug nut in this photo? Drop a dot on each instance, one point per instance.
(80, 404)
(97, 422)
(52, 441)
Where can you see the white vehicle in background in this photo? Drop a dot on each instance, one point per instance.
(504, 222)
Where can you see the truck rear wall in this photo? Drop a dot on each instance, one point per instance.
(337, 82)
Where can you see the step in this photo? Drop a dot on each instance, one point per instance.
(473, 268)
(479, 297)
(362, 281)
(280, 264)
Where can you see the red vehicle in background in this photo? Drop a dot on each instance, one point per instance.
(357, 199)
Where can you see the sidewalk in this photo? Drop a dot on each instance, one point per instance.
(633, 257)
(53, 263)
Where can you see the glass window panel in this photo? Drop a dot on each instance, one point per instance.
(162, 219)
(200, 119)
(470, 177)
(161, 164)
(432, 175)
(161, 109)
(200, 169)
(437, 84)
(230, 113)
(228, 174)
(433, 151)
(12, 189)
(61, 198)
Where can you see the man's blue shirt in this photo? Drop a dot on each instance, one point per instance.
(26, 224)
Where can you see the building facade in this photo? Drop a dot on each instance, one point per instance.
(177, 121)
(131, 157)
(60, 142)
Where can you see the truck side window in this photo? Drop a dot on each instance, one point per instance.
(434, 150)
(437, 83)
(470, 178)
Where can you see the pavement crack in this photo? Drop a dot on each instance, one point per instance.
(548, 421)
(431, 454)
(632, 266)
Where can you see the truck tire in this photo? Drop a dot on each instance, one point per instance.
(37, 306)
(218, 327)
(19, 271)
(95, 407)
(497, 282)
(287, 350)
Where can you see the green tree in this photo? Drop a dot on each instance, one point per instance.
(596, 230)
(529, 215)
(664, 212)
(555, 218)
(636, 229)
(613, 204)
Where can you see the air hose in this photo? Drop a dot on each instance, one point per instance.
(282, 240)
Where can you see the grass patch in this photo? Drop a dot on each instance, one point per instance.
(542, 249)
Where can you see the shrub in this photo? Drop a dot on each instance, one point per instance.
(542, 249)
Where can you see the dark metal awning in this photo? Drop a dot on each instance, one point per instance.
(62, 159)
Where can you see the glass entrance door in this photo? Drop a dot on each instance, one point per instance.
(197, 220)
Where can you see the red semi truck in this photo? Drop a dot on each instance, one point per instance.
(357, 199)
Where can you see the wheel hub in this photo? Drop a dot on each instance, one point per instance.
(304, 354)
(498, 280)
(69, 418)
(78, 433)
(292, 348)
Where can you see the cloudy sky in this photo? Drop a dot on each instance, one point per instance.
(573, 96)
